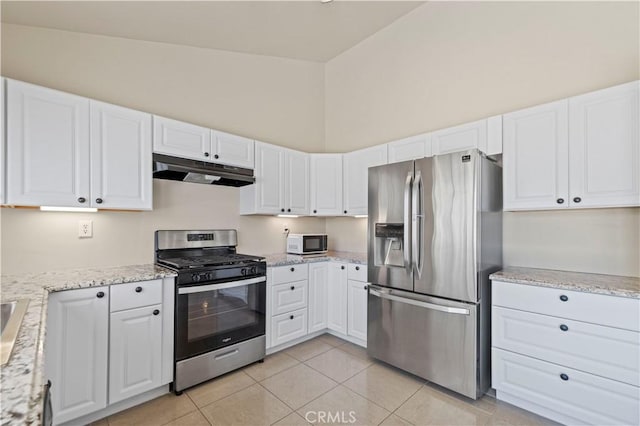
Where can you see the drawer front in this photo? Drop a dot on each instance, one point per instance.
(581, 398)
(287, 274)
(609, 352)
(612, 311)
(357, 272)
(136, 295)
(289, 326)
(288, 297)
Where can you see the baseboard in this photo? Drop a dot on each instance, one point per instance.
(351, 339)
(119, 406)
(535, 408)
(314, 335)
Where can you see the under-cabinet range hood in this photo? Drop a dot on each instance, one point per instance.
(186, 170)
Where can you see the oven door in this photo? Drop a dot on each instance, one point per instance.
(213, 315)
(314, 243)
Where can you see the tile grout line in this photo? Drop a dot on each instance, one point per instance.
(394, 412)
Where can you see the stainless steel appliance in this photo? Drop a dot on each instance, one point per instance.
(434, 236)
(187, 170)
(220, 303)
(306, 243)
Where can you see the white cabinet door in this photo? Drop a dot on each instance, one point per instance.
(460, 138)
(135, 353)
(355, 174)
(318, 307)
(2, 140)
(232, 150)
(296, 182)
(121, 167)
(47, 147)
(535, 157)
(326, 184)
(411, 148)
(604, 147)
(76, 351)
(288, 327)
(337, 297)
(269, 174)
(180, 139)
(357, 309)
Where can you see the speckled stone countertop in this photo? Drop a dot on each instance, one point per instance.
(611, 285)
(284, 259)
(21, 379)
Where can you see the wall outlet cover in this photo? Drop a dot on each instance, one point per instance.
(85, 229)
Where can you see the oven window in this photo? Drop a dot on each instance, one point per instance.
(313, 243)
(221, 311)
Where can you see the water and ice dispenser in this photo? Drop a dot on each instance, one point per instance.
(389, 244)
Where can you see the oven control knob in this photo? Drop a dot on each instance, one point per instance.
(195, 278)
(254, 270)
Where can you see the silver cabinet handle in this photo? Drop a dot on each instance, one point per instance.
(407, 221)
(419, 303)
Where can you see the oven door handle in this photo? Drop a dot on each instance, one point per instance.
(210, 287)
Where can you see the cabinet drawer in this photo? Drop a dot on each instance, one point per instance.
(357, 272)
(135, 295)
(581, 398)
(287, 274)
(289, 297)
(605, 351)
(612, 311)
(289, 326)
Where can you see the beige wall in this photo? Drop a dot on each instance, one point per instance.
(450, 62)
(272, 99)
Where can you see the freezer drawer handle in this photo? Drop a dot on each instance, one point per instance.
(447, 309)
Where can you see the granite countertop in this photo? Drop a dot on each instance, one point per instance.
(21, 379)
(283, 259)
(611, 285)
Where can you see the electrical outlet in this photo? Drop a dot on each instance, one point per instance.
(85, 229)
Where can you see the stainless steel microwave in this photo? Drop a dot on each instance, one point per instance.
(307, 243)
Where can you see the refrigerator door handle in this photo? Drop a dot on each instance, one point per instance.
(407, 221)
(416, 237)
(448, 309)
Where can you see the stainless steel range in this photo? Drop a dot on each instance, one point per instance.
(220, 303)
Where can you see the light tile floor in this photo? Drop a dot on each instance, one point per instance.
(323, 376)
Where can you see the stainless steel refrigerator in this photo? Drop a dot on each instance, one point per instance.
(434, 236)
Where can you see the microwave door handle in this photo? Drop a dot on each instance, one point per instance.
(407, 221)
(212, 287)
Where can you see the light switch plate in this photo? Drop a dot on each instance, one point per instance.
(85, 229)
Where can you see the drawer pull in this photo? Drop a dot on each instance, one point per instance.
(293, 287)
(564, 327)
(156, 312)
(342, 267)
(292, 269)
(291, 317)
(138, 289)
(100, 294)
(564, 298)
(365, 287)
(564, 377)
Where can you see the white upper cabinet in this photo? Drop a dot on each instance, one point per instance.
(2, 140)
(355, 166)
(411, 148)
(604, 147)
(326, 184)
(265, 196)
(121, 167)
(536, 153)
(47, 147)
(296, 182)
(179, 139)
(232, 150)
(484, 135)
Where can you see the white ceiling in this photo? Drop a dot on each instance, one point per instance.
(307, 30)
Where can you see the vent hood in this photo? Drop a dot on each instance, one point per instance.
(186, 170)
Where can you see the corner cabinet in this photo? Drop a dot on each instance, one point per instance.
(411, 148)
(326, 185)
(65, 150)
(77, 350)
(581, 152)
(355, 174)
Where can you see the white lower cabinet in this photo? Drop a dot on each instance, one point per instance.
(76, 351)
(135, 353)
(337, 297)
(573, 357)
(357, 309)
(288, 326)
(107, 344)
(318, 307)
(288, 297)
